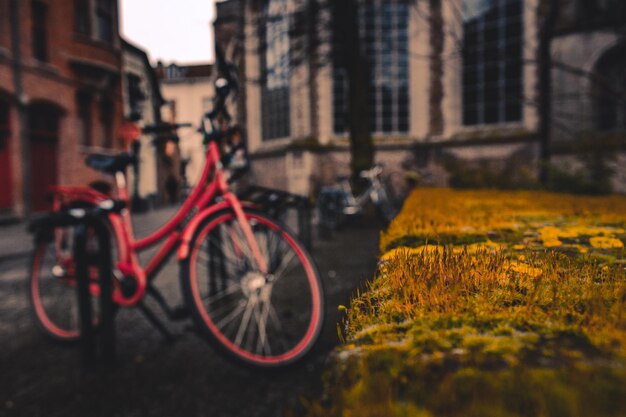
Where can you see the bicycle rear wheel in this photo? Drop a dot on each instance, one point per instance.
(52, 283)
(265, 320)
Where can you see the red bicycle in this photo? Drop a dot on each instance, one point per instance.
(248, 283)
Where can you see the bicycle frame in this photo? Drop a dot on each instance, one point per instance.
(198, 206)
(372, 192)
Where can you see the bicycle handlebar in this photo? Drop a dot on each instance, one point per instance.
(226, 84)
(165, 131)
(373, 172)
(164, 127)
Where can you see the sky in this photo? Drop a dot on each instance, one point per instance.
(170, 30)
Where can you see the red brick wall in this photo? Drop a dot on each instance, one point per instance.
(57, 82)
(5, 29)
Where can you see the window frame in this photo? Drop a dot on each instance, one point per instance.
(39, 31)
(106, 110)
(478, 109)
(82, 17)
(275, 86)
(84, 103)
(387, 45)
(105, 13)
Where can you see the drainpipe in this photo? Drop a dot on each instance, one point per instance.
(21, 107)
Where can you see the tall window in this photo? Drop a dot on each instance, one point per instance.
(492, 61)
(82, 20)
(39, 30)
(106, 122)
(136, 96)
(105, 14)
(383, 26)
(173, 72)
(610, 91)
(83, 102)
(4, 118)
(275, 62)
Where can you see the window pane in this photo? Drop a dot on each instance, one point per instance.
(81, 17)
(105, 14)
(275, 61)
(39, 29)
(384, 33)
(492, 61)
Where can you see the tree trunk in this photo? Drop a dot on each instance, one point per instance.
(544, 67)
(346, 26)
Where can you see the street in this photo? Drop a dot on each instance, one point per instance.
(152, 378)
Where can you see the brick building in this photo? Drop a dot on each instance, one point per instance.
(60, 95)
(142, 106)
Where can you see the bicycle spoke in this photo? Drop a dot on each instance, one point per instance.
(283, 267)
(244, 246)
(229, 257)
(217, 311)
(274, 317)
(230, 290)
(276, 256)
(244, 322)
(205, 260)
(230, 317)
(263, 324)
(257, 320)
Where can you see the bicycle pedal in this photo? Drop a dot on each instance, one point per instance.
(179, 313)
(191, 328)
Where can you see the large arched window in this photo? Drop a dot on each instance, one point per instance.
(384, 28)
(275, 64)
(492, 61)
(609, 91)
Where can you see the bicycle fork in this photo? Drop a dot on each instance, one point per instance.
(247, 230)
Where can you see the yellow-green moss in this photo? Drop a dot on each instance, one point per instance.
(490, 304)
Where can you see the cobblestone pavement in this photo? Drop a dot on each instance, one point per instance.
(152, 378)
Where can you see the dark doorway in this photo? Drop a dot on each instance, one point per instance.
(43, 121)
(6, 176)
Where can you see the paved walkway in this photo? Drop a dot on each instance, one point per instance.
(152, 378)
(14, 241)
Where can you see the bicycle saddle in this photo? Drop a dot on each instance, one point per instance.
(109, 164)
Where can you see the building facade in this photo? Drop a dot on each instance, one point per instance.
(60, 95)
(454, 87)
(142, 106)
(188, 93)
(228, 30)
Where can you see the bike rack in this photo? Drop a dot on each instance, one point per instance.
(276, 203)
(83, 220)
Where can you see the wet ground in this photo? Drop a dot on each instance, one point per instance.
(152, 378)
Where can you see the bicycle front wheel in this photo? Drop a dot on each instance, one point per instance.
(263, 319)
